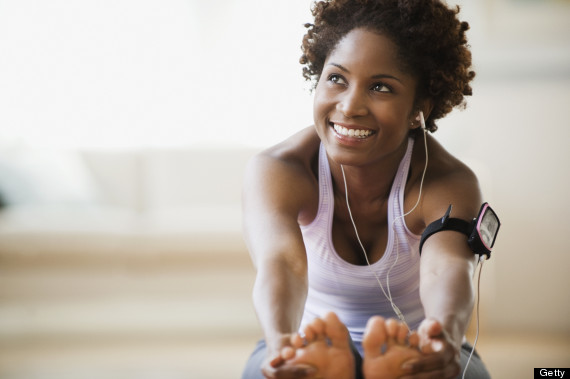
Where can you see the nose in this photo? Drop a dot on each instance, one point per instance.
(353, 103)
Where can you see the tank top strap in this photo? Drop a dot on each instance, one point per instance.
(399, 186)
(326, 196)
(403, 169)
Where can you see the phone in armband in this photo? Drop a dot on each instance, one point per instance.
(481, 231)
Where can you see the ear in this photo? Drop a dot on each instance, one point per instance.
(425, 106)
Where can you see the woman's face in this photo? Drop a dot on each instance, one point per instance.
(364, 101)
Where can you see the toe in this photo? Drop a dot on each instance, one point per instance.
(315, 330)
(374, 337)
(297, 341)
(402, 335)
(392, 329)
(414, 340)
(336, 331)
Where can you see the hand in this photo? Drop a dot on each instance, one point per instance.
(276, 366)
(440, 355)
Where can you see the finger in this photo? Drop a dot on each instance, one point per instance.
(429, 362)
(450, 371)
(426, 375)
(276, 361)
(294, 372)
(287, 353)
(430, 328)
(289, 372)
(432, 346)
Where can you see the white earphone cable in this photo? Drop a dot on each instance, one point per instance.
(401, 316)
(389, 294)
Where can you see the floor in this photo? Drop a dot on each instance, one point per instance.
(119, 320)
(173, 358)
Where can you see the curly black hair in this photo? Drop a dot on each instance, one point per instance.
(430, 38)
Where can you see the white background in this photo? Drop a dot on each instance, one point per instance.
(136, 73)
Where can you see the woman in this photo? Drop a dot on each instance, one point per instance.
(333, 215)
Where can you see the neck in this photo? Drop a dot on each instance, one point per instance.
(370, 183)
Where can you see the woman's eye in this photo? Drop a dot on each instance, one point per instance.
(336, 79)
(381, 87)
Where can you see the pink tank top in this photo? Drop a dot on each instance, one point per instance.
(352, 291)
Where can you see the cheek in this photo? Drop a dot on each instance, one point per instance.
(321, 105)
(393, 114)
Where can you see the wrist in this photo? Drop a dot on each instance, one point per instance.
(448, 332)
(277, 342)
(454, 331)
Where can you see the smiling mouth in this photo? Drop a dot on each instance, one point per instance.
(354, 133)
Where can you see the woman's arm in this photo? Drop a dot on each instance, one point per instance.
(446, 288)
(446, 270)
(447, 295)
(274, 197)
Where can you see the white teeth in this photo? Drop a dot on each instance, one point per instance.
(358, 133)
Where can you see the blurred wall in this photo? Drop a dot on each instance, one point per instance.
(226, 72)
(515, 135)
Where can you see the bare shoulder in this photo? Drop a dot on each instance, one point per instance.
(449, 182)
(283, 177)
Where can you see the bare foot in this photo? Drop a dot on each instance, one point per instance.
(386, 347)
(325, 347)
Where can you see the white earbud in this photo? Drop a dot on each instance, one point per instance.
(422, 121)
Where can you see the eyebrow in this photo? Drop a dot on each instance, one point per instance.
(377, 76)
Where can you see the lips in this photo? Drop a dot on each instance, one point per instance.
(352, 132)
